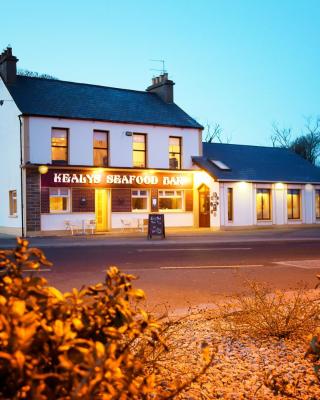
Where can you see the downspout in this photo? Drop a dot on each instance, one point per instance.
(21, 181)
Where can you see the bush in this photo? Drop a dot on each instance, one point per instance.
(70, 345)
(88, 344)
(262, 313)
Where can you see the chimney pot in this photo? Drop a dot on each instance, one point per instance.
(163, 87)
(8, 66)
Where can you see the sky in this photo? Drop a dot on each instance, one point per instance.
(244, 64)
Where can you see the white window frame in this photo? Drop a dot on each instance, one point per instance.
(12, 197)
(162, 195)
(59, 194)
(138, 195)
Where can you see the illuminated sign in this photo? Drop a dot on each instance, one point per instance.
(116, 179)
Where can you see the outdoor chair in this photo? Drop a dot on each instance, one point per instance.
(125, 223)
(91, 225)
(70, 226)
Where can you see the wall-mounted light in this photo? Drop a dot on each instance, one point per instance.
(83, 202)
(279, 186)
(43, 169)
(309, 186)
(2, 101)
(128, 133)
(242, 184)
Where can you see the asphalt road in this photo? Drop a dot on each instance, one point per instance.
(179, 276)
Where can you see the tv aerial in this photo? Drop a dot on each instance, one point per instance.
(163, 69)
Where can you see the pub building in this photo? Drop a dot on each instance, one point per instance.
(90, 159)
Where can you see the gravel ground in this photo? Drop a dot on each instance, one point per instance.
(243, 368)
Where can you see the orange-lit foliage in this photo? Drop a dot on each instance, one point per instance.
(73, 345)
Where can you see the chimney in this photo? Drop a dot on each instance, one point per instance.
(8, 66)
(163, 87)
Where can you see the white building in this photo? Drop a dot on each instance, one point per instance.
(87, 156)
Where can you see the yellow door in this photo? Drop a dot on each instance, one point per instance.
(101, 207)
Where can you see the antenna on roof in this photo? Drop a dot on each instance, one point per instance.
(163, 70)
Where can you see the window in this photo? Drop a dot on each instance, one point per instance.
(100, 148)
(293, 203)
(139, 150)
(13, 203)
(59, 146)
(170, 199)
(139, 200)
(174, 152)
(230, 204)
(220, 165)
(318, 203)
(59, 200)
(263, 203)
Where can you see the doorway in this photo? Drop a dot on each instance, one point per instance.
(204, 206)
(101, 207)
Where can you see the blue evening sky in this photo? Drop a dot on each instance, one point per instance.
(242, 64)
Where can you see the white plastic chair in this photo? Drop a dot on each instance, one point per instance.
(91, 225)
(142, 224)
(69, 226)
(126, 223)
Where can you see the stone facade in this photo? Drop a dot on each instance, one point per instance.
(33, 200)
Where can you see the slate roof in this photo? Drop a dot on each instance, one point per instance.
(255, 163)
(54, 98)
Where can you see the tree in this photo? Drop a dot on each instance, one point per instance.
(215, 134)
(307, 144)
(33, 74)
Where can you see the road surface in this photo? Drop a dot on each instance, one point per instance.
(180, 275)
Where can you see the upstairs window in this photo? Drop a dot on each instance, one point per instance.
(59, 146)
(139, 200)
(59, 200)
(318, 203)
(100, 148)
(13, 203)
(263, 202)
(293, 203)
(139, 150)
(174, 152)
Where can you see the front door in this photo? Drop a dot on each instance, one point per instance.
(101, 208)
(204, 206)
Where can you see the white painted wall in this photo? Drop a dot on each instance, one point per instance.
(244, 204)
(56, 222)
(9, 162)
(120, 147)
(173, 219)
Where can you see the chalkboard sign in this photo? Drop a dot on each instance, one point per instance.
(156, 226)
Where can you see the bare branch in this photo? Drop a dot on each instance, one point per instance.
(281, 137)
(215, 134)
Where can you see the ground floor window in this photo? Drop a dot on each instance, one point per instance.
(318, 203)
(12, 203)
(230, 204)
(140, 200)
(59, 200)
(170, 200)
(293, 203)
(263, 204)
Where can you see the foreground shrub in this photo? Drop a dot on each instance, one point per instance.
(262, 313)
(88, 344)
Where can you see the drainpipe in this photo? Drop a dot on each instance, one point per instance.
(21, 181)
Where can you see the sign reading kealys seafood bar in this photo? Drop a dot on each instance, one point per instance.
(116, 179)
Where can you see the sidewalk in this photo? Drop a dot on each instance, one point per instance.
(173, 236)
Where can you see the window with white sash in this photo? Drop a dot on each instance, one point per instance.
(59, 200)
